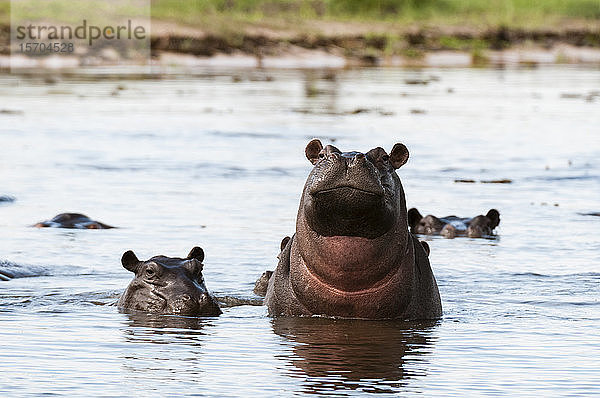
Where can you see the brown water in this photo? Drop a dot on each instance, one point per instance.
(198, 158)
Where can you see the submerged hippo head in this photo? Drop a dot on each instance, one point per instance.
(352, 193)
(428, 225)
(168, 285)
(481, 226)
(452, 226)
(352, 255)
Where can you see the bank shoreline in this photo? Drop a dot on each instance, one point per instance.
(173, 45)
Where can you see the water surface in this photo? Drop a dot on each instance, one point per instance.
(215, 159)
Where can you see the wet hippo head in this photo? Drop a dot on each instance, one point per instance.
(453, 226)
(352, 254)
(481, 226)
(427, 225)
(351, 205)
(168, 285)
(352, 193)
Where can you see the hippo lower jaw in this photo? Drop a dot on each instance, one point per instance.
(183, 306)
(190, 306)
(379, 299)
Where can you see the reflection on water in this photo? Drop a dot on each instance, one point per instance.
(199, 158)
(158, 348)
(339, 354)
(157, 324)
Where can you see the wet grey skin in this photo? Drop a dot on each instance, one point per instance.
(452, 226)
(74, 221)
(168, 285)
(352, 255)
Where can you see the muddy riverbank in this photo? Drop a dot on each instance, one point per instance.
(343, 46)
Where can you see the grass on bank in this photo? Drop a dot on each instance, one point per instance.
(476, 13)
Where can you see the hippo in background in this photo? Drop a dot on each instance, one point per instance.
(168, 285)
(6, 199)
(72, 220)
(262, 283)
(10, 270)
(352, 255)
(451, 226)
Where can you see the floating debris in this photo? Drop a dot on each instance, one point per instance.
(470, 181)
(356, 111)
(10, 112)
(421, 82)
(501, 181)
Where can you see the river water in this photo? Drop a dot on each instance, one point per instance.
(216, 158)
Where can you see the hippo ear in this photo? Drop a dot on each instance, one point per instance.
(312, 150)
(130, 261)
(398, 156)
(414, 217)
(196, 253)
(494, 217)
(284, 242)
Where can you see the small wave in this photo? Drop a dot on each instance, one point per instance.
(597, 214)
(10, 270)
(532, 274)
(556, 303)
(274, 171)
(561, 276)
(565, 178)
(111, 168)
(243, 134)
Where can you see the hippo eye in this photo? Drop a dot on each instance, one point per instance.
(385, 158)
(150, 272)
(321, 155)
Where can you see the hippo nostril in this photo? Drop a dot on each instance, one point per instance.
(358, 159)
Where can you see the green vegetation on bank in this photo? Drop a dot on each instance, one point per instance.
(476, 13)
(359, 29)
(236, 14)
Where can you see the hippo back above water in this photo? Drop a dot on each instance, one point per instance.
(168, 285)
(352, 255)
(451, 226)
(74, 221)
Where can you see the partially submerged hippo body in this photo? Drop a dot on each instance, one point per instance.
(352, 255)
(168, 285)
(6, 199)
(72, 220)
(452, 226)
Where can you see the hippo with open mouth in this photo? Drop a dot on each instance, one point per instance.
(168, 285)
(352, 255)
(72, 220)
(451, 226)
